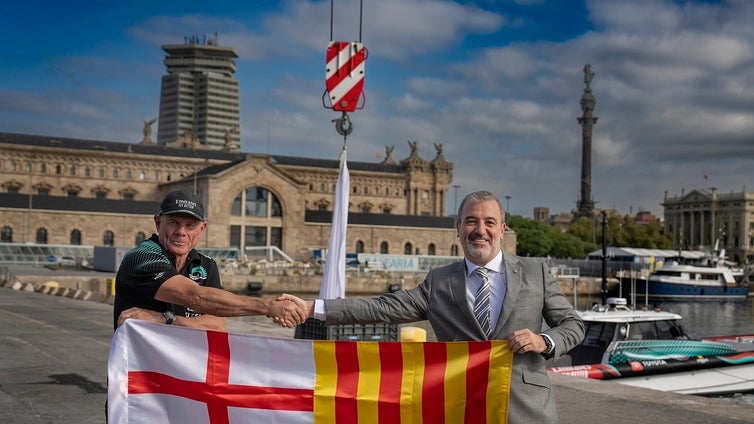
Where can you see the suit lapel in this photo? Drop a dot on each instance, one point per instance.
(513, 288)
(458, 288)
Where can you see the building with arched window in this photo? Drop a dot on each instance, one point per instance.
(251, 200)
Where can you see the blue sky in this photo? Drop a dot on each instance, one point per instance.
(498, 83)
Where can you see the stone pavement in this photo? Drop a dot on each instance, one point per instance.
(53, 367)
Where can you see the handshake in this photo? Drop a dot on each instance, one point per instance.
(289, 311)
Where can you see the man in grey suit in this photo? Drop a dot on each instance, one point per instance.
(515, 296)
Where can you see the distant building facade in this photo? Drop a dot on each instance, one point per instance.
(701, 218)
(645, 217)
(541, 214)
(562, 220)
(200, 96)
(87, 192)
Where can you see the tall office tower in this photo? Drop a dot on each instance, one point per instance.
(199, 97)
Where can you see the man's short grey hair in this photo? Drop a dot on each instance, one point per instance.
(479, 196)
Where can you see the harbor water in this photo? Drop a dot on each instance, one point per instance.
(703, 318)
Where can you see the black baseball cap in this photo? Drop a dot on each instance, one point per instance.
(182, 202)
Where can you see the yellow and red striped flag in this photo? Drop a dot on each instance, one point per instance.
(161, 373)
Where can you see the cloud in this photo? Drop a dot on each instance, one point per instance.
(672, 86)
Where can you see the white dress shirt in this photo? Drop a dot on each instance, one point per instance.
(498, 287)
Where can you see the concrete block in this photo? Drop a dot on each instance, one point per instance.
(48, 287)
(22, 286)
(62, 291)
(84, 295)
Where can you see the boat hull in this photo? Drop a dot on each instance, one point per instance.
(710, 381)
(722, 374)
(664, 290)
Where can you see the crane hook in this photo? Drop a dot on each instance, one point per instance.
(343, 125)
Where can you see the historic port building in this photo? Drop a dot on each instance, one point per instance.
(64, 191)
(56, 190)
(702, 218)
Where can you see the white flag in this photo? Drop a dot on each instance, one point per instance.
(166, 374)
(334, 278)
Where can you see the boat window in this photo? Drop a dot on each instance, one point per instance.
(656, 330)
(642, 331)
(710, 277)
(669, 330)
(598, 334)
(668, 273)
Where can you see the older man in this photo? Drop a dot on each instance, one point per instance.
(166, 280)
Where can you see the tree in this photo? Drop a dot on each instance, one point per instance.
(584, 235)
(533, 238)
(569, 246)
(585, 229)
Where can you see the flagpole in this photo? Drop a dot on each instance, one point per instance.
(334, 278)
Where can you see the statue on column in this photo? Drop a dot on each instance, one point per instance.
(438, 148)
(229, 146)
(588, 75)
(148, 130)
(389, 156)
(414, 145)
(189, 141)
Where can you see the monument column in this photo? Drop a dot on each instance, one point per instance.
(587, 121)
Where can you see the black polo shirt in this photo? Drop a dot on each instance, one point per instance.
(146, 267)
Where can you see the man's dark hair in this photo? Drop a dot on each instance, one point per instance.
(479, 196)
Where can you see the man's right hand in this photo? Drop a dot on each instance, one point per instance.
(142, 314)
(287, 310)
(306, 307)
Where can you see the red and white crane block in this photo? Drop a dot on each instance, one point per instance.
(345, 74)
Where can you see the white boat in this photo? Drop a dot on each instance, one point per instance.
(679, 281)
(652, 349)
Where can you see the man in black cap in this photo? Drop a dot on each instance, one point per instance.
(166, 280)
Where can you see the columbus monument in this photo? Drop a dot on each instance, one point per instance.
(587, 121)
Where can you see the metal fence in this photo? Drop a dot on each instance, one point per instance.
(41, 254)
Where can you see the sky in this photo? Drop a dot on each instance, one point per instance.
(497, 83)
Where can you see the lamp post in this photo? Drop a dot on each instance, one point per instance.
(507, 208)
(713, 230)
(455, 198)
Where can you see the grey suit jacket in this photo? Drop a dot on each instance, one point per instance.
(532, 295)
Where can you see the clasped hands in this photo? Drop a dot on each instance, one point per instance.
(289, 311)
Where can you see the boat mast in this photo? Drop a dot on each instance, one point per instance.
(604, 258)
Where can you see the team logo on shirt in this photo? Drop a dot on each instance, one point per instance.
(198, 273)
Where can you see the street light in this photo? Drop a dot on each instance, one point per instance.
(507, 208)
(455, 198)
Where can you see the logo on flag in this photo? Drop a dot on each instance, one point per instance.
(161, 373)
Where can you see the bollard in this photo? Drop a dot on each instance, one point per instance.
(413, 334)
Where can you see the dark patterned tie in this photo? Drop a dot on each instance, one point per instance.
(482, 302)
